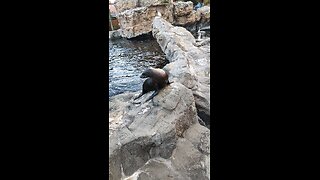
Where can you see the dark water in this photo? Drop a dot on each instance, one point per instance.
(128, 59)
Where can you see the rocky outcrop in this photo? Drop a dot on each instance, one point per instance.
(182, 8)
(114, 34)
(136, 16)
(184, 13)
(125, 5)
(204, 17)
(138, 21)
(189, 62)
(160, 139)
(195, 19)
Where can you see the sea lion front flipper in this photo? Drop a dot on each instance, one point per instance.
(153, 95)
(136, 102)
(138, 96)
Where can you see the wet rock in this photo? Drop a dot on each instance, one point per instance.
(189, 60)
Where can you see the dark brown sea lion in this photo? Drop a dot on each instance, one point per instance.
(156, 80)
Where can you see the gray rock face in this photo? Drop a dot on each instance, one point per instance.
(125, 5)
(182, 8)
(114, 34)
(190, 159)
(153, 2)
(138, 21)
(136, 16)
(138, 133)
(184, 13)
(189, 60)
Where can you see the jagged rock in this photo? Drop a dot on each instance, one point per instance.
(153, 2)
(189, 61)
(190, 160)
(138, 21)
(136, 16)
(123, 5)
(162, 138)
(160, 168)
(114, 34)
(138, 133)
(204, 13)
(189, 19)
(182, 8)
(201, 15)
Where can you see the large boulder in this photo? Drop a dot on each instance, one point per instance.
(190, 160)
(114, 34)
(136, 16)
(184, 15)
(182, 8)
(204, 13)
(148, 3)
(186, 20)
(138, 133)
(189, 62)
(122, 5)
(138, 21)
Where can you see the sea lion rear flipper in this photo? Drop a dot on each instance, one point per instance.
(136, 102)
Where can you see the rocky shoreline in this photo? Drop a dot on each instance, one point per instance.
(136, 16)
(163, 139)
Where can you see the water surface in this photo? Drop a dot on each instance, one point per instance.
(128, 59)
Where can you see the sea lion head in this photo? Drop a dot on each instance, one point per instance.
(147, 73)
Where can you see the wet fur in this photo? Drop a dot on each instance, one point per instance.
(156, 80)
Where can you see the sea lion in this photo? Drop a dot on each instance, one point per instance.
(156, 80)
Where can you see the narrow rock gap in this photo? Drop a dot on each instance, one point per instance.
(204, 117)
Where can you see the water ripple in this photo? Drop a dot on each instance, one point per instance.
(128, 59)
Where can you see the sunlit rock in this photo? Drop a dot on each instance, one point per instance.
(136, 16)
(138, 133)
(189, 61)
